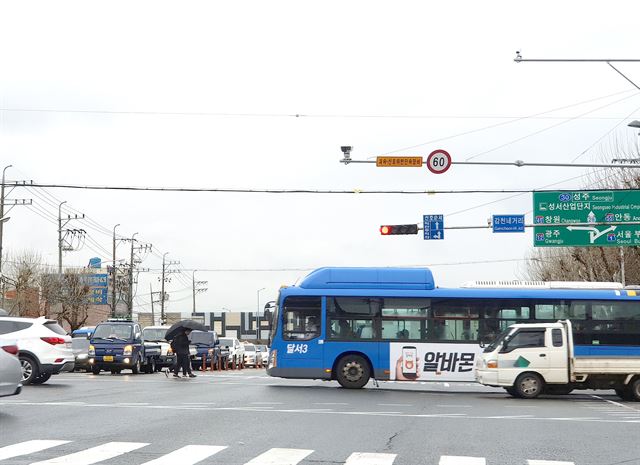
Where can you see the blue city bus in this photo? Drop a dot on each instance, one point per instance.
(354, 324)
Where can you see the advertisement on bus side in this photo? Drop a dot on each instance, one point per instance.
(432, 362)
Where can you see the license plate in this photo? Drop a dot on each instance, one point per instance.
(108, 358)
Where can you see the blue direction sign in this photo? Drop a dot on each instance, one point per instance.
(433, 227)
(508, 223)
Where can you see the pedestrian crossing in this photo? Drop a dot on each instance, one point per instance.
(199, 454)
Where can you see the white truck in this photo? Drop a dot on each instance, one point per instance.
(538, 358)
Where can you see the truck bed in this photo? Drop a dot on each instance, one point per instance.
(606, 365)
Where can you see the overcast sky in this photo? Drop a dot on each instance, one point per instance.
(204, 94)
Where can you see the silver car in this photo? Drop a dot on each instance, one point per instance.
(10, 369)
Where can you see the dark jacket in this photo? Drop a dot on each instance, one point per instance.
(180, 344)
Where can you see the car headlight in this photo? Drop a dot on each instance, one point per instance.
(169, 351)
(210, 351)
(92, 351)
(128, 350)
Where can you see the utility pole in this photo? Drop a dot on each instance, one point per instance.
(61, 239)
(114, 275)
(153, 315)
(3, 220)
(130, 296)
(164, 279)
(197, 289)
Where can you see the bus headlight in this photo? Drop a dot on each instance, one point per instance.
(128, 350)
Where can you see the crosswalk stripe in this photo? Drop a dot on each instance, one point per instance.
(187, 455)
(278, 456)
(548, 462)
(27, 447)
(458, 460)
(94, 454)
(364, 458)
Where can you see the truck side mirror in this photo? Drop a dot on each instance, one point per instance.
(482, 344)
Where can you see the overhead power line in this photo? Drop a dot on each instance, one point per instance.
(308, 191)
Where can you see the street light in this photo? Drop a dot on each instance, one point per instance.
(258, 315)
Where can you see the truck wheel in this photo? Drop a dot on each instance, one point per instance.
(353, 372)
(135, 369)
(152, 366)
(30, 369)
(529, 385)
(634, 390)
(95, 370)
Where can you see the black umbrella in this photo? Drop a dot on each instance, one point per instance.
(181, 326)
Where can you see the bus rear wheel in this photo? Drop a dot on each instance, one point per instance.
(353, 372)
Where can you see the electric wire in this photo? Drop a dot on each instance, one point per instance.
(503, 123)
(553, 126)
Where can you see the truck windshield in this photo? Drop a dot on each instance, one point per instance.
(201, 338)
(226, 342)
(494, 345)
(108, 331)
(154, 334)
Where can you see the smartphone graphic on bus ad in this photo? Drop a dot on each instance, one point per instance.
(410, 362)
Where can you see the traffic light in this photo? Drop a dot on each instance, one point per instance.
(390, 229)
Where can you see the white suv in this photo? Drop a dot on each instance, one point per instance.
(45, 348)
(236, 350)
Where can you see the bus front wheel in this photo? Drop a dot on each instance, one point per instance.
(353, 372)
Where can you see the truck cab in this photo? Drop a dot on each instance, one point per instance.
(539, 349)
(117, 345)
(535, 358)
(207, 346)
(156, 334)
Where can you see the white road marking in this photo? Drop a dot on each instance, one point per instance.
(27, 447)
(268, 403)
(396, 405)
(330, 403)
(187, 455)
(95, 454)
(457, 460)
(460, 406)
(364, 458)
(548, 462)
(278, 456)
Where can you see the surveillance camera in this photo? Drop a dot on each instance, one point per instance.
(346, 149)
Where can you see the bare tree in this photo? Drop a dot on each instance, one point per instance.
(75, 298)
(22, 273)
(594, 263)
(50, 286)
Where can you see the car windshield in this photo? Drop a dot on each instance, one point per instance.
(154, 334)
(261, 348)
(249, 348)
(491, 347)
(107, 331)
(226, 342)
(201, 337)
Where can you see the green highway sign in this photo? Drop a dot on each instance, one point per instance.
(553, 210)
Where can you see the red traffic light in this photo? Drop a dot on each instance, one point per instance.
(392, 229)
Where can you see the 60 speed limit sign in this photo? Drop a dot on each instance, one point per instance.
(439, 161)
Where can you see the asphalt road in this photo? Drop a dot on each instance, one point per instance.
(252, 418)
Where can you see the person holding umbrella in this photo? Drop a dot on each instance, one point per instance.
(179, 334)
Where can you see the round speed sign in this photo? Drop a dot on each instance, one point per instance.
(439, 161)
